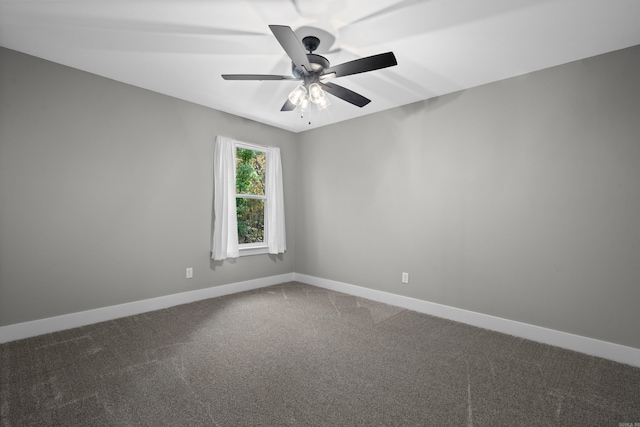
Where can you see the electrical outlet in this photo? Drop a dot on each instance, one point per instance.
(189, 273)
(405, 277)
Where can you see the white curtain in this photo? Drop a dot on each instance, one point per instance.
(225, 232)
(276, 237)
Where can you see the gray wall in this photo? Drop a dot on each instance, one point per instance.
(519, 199)
(106, 192)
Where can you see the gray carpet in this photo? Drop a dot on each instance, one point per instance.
(294, 354)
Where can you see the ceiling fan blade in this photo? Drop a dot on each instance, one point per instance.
(288, 106)
(255, 77)
(290, 43)
(362, 65)
(345, 94)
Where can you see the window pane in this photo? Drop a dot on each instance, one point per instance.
(250, 171)
(250, 220)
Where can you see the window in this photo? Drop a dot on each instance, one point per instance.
(248, 200)
(250, 196)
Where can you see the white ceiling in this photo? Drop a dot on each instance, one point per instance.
(180, 48)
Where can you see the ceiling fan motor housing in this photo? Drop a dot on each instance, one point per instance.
(318, 64)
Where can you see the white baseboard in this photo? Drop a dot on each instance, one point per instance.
(58, 323)
(604, 349)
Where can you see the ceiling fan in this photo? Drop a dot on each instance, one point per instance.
(314, 71)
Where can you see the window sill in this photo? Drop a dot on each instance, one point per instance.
(253, 250)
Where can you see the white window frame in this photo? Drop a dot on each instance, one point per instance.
(257, 248)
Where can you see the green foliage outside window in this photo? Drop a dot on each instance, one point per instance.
(250, 180)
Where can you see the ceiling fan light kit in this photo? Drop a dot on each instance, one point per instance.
(297, 95)
(318, 97)
(314, 71)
